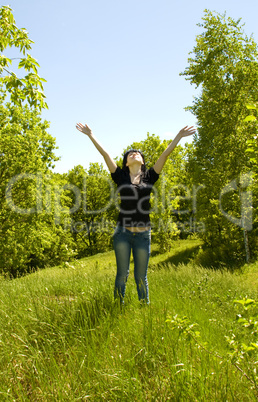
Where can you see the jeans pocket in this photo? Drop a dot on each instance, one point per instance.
(146, 236)
(117, 231)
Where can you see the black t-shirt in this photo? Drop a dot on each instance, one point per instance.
(135, 198)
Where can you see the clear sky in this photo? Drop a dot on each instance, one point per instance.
(115, 65)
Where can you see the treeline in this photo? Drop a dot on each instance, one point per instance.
(208, 188)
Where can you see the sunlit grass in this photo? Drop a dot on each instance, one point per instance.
(63, 338)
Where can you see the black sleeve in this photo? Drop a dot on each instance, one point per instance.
(152, 176)
(117, 175)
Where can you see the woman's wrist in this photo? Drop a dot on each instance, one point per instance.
(179, 136)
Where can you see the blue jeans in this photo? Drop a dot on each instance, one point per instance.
(124, 241)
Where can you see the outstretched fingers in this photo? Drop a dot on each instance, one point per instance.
(85, 129)
(79, 126)
(187, 131)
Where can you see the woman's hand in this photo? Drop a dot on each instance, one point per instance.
(83, 129)
(184, 132)
(109, 161)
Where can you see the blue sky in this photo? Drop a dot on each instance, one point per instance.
(115, 65)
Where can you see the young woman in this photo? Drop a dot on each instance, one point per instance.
(133, 232)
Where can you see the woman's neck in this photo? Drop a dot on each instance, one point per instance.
(135, 170)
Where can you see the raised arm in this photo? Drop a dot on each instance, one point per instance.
(109, 161)
(163, 157)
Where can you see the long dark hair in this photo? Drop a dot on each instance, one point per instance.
(124, 167)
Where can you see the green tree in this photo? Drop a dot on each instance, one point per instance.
(32, 216)
(93, 219)
(30, 234)
(252, 153)
(29, 87)
(224, 65)
(252, 150)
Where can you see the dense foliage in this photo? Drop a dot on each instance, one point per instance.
(224, 65)
(208, 187)
(32, 215)
(94, 219)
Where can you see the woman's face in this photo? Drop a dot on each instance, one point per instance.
(134, 156)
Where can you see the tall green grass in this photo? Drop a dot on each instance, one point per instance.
(63, 338)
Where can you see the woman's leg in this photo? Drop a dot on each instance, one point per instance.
(122, 247)
(141, 255)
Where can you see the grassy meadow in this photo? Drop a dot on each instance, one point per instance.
(63, 338)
